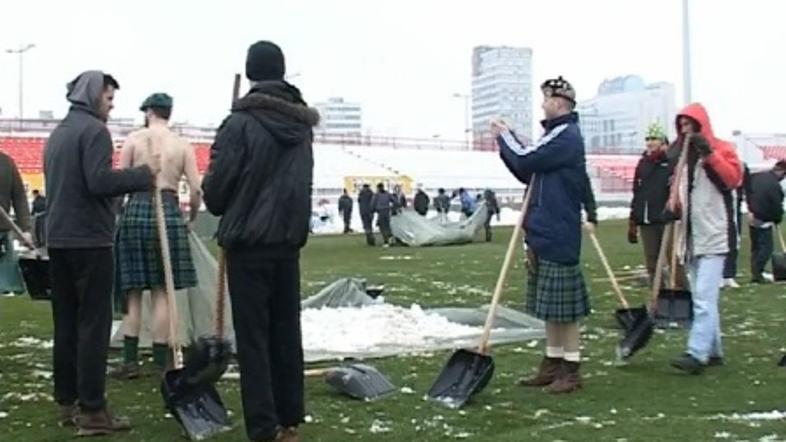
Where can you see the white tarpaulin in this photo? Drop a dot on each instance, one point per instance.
(416, 230)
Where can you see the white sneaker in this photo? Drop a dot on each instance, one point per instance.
(731, 283)
(768, 276)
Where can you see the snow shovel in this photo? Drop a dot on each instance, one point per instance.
(34, 265)
(779, 260)
(674, 306)
(625, 316)
(197, 407)
(209, 357)
(358, 381)
(640, 332)
(468, 372)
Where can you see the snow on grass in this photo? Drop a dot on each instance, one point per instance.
(773, 415)
(31, 342)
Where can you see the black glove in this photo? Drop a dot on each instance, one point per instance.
(700, 145)
(633, 232)
(669, 216)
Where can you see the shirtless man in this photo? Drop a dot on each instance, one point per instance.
(137, 253)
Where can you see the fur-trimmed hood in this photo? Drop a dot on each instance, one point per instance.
(280, 108)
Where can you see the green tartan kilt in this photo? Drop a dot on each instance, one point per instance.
(557, 293)
(138, 262)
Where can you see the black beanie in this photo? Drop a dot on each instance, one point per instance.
(265, 61)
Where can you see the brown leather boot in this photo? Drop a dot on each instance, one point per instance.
(101, 422)
(287, 435)
(547, 373)
(568, 381)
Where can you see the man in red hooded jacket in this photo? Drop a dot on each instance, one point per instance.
(705, 203)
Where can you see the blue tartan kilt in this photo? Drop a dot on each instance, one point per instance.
(557, 293)
(138, 262)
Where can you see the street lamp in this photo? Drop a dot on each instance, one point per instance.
(467, 127)
(20, 52)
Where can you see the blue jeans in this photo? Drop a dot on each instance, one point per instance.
(704, 340)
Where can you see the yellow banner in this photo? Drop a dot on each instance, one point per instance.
(353, 184)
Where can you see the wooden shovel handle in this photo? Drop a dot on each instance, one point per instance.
(169, 281)
(7, 218)
(780, 238)
(606, 265)
(675, 244)
(503, 272)
(656, 282)
(221, 293)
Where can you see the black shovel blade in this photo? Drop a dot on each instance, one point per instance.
(674, 306)
(465, 374)
(627, 317)
(197, 408)
(637, 337)
(207, 360)
(360, 381)
(35, 274)
(782, 362)
(779, 266)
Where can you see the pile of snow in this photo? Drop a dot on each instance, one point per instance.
(29, 341)
(377, 327)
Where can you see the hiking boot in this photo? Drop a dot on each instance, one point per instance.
(688, 364)
(715, 361)
(568, 381)
(98, 423)
(127, 371)
(548, 372)
(67, 415)
(287, 435)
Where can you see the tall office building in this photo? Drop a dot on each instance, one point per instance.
(501, 88)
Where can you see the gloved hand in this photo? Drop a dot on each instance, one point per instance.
(633, 232)
(27, 239)
(700, 145)
(669, 215)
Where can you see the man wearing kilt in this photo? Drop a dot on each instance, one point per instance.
(555, 171)
(138, 251)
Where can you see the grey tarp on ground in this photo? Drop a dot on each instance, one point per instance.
(509, 325)
(195, 306)
(416, 230)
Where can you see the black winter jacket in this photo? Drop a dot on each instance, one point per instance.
(261, 168)
(651, 189)
(765, 197)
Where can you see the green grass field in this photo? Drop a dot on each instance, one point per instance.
(643, 401)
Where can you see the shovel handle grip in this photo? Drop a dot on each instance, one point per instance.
(503, 272)
(606, 265)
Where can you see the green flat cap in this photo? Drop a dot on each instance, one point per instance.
(159, 99)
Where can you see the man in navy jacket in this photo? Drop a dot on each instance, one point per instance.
(554, 169)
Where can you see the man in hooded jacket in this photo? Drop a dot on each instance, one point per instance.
(81, 184)
(367, 212)
(705, 204)
(259, 181)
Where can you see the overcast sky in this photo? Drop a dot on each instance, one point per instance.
(401, 59)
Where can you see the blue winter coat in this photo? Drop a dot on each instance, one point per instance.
(553, 223)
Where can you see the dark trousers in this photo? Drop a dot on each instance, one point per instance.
(761, 249)
(651, 237)
(730, 264)
(487, 226)
(367, 219)
(265, 296)
(82, 311)
(347, 221)
(383, 221)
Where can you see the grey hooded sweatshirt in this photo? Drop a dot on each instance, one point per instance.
(80, 181)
